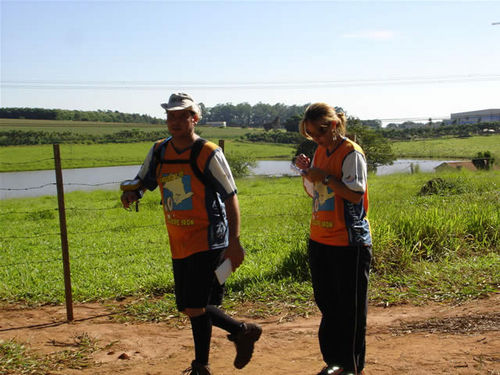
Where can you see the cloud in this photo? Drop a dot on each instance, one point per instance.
(371, 35)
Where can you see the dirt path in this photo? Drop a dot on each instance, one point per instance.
(431, 339)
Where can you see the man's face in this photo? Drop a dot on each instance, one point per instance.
(181, 123)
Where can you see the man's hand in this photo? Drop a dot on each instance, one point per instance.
(235, 252)
(128, 197)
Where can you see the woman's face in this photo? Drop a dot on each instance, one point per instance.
(321, 132)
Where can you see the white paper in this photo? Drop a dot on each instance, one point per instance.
(223, 271)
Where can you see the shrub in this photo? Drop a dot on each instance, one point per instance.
(240, 164)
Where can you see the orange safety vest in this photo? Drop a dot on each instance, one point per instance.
(194, 214)
(336, 221)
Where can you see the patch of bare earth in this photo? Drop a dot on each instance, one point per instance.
(431, 339)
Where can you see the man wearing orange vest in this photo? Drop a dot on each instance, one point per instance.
(203, 221)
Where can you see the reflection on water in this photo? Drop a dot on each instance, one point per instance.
(36, 183)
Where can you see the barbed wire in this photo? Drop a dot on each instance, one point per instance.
(65, 184)
(29, 188)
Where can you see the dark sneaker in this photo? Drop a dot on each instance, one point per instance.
(331, 370)
(336, 370)
(244, 342)
(197, 369)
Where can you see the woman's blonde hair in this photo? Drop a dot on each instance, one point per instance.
(321, 115)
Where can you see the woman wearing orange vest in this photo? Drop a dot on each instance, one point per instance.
(203, 222)
(340, 238)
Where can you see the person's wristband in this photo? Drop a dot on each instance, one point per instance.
(326, 180)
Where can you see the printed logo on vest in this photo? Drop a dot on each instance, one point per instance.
(323, 199)
(177, 192)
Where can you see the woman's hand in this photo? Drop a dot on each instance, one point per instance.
(302, 162)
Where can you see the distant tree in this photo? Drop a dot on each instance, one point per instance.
(292, 123)
(377, 149)
(376, 124)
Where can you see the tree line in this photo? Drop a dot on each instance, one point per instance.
(260, 115)
(74, 115)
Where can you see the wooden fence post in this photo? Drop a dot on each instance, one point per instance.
(64, 234)
(221, 144)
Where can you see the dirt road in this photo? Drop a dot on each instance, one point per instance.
(413, 340)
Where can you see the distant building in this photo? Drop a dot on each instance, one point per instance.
(216, 124)
(475, 117)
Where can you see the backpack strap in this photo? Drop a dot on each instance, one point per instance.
(158, 153)
(195, 152)
(159, 160)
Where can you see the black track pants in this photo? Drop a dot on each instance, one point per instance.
(340, 283)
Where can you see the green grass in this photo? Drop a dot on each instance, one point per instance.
(443, 247)
(449, 148)
(40, 157)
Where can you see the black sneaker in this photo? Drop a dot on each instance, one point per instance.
(197, 369)
(244, 342)
(331, 370)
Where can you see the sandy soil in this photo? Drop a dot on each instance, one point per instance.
(431, 339)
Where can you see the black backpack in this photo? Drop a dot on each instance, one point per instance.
(195, 152)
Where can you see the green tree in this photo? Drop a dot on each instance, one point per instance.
(377, 149)
(292, 123)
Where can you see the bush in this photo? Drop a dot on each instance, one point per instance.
(240, 164)
(274, 136)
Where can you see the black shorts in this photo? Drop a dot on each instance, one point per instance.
(195, 283)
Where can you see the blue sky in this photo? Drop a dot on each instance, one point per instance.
(385, 60)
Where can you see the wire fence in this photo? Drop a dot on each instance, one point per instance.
(29, 233)
(77, 233)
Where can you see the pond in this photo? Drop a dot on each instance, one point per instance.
(36, 183)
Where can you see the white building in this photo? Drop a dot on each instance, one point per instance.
(216, 124)
(475, 117)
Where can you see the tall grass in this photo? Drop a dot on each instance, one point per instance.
(425, 247)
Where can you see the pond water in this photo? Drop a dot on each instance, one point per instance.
(36, 183)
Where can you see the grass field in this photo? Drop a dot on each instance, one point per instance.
(449, 148)
(437, 247)
(40, 157)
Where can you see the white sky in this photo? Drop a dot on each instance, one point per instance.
(386, 60)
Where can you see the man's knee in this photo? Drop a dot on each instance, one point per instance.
(193, 312)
